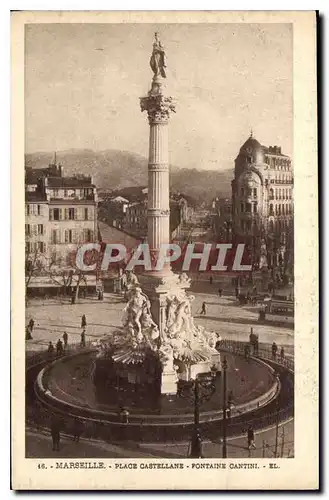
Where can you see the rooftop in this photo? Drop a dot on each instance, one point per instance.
(34, 196)
(69, 182)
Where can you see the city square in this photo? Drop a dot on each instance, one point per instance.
(162, 359)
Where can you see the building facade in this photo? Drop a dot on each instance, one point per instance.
(262, 204)
(60, 216)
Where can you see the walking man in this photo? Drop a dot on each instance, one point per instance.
(51, 348)
(282, 354)
(211, 280)
(65, 339)
(251, 438)
(203, 308)
(31, 324)
(83, 321)
(220, 291)
(28, 335)
(55, 433)
(59, 347)
(77, 430)
(274, 350)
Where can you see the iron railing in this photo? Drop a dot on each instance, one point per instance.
(239, 347)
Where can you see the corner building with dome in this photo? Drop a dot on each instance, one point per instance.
(262, 205)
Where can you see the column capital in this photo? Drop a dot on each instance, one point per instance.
(158, 107)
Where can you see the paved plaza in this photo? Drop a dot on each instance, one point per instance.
(54, 316)
(39, 445)
(223, 314)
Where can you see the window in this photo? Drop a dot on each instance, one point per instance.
(27, 229)
(255, 192)
(249, 159)
(248, 208)
(248, 225)
(282, 209)
(39, 209)
(55, 236)
(56, 214)
(271, 209)
(71, 213)
(40, 228)
(279, 194)
(41, 246)
(86, 213)
(88, 235)
(69, 236)
(255, 207)
(271, 194)
(249, 191)
(242, 207)
(27, 209)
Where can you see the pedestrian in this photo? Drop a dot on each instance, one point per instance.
(196, 445)
(247, 351)
(51, 348)
(83, 338)
(78, 428)
(124, 415)
(220, 292)
(251, 438)
(83, 321)
(65, 339)
(28, 335)
(203, 308)
(274, 350)
(31, 324)
(282, 353)
(211, 280)
(59, 347)
(55, 430)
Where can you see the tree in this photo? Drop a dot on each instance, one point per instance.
(33, 264)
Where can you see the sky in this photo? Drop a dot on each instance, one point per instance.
(227, 79)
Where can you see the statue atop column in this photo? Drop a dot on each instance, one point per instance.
(158, 58)
(158, 106)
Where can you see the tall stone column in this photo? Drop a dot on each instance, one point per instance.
(158, 108)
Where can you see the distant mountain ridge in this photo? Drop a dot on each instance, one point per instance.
(113, 170)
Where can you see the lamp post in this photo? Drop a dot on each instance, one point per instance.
(227, 404)
(224, 407)
(198, 391)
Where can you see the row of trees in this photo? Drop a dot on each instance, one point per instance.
(66, 276)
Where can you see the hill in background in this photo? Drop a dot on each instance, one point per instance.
(114, 170)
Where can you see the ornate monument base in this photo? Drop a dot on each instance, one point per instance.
(169, 382)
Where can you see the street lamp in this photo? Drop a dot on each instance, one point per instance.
(198, 391)
(227, 403)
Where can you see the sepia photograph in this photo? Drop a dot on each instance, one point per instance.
(160, 244)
